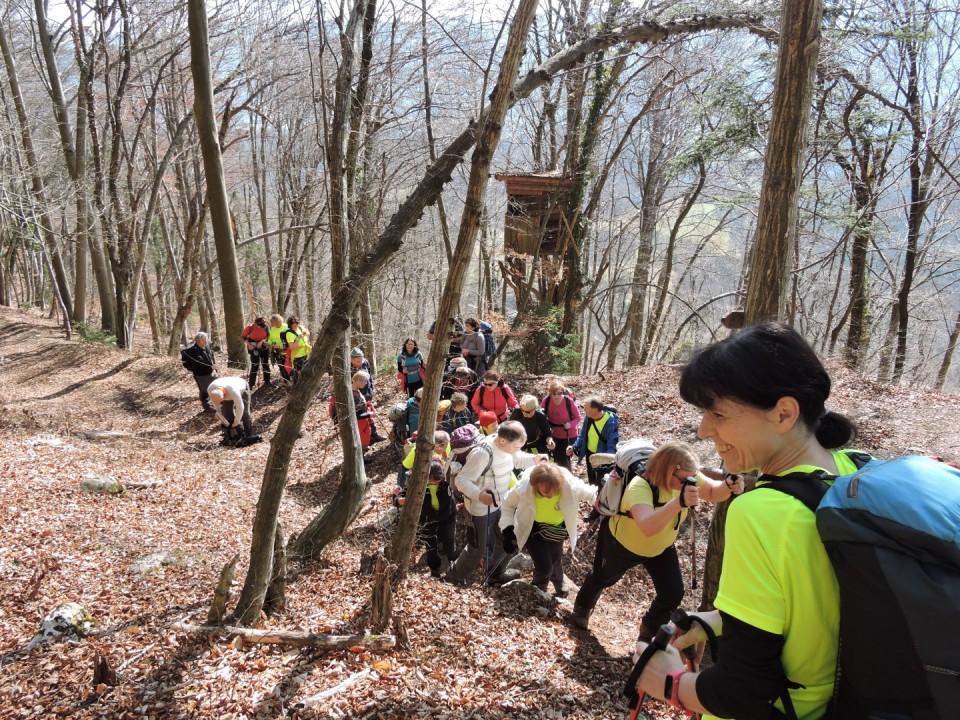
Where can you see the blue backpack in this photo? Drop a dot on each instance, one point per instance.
(892, 533)
(490, 344)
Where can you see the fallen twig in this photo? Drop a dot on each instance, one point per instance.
(294, 638)
(320, 697)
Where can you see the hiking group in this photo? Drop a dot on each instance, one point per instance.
(285, 344)
(835, 551)
(802, 567)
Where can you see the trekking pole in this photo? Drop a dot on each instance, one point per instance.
(487, 570)
(693, 545)
(635, 696)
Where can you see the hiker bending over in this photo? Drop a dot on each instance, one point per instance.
(231, 400)
(198, 359)
(485, 479)
(600, 434)
(535, 424)
(564, 416)
(653, 506)
(539, 513)
(763, 393)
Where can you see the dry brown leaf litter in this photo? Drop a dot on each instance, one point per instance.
(474, 653)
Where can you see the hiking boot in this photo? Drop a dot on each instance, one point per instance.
(594, 515)
(560, 592)
(508, 575)
(645, 635)
(581, 616)
(454, 581)
(376, 438)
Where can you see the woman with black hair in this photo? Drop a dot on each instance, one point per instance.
(763, 393)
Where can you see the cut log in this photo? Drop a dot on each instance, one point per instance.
(294, 638)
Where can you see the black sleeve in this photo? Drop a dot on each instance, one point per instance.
(748, 675)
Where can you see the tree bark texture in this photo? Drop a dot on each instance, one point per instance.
(39, 188)
(216, 186)
(783, 163)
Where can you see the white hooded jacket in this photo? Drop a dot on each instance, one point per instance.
(471, 481)
(520, 506)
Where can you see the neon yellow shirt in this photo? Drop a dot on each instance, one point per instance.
(548, 509)
(776, 577)
(301, 347)
(593, 434)
(624, 528)
(274, 340)
(408, 460)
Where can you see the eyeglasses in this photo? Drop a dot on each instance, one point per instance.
(490, 384)
(531, 411)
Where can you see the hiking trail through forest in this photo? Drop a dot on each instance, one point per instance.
(149, 558)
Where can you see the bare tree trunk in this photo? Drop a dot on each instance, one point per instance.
(38, 185)
(216, 186)
(948, 355)
(919, 202)
(783, 164)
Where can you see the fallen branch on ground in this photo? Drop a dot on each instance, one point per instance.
(313, 700)
(294, 638)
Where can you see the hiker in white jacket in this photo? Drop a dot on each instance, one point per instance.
(484, 480)
(539, 513)
(231, 399)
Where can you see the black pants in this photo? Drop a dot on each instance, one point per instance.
(278, 360)
(547, 556)
(559, 453)
(435, 535)
(259, 359)
(594, 475)
(412, 386)
(611, 563)
(227, 410)
(203, 382)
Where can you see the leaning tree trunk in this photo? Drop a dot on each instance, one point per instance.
(488, 138)
(783, 164)
(216, 186)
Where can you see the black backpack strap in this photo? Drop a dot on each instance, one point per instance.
(806, 488)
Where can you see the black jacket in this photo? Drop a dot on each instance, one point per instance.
(198, 360)
(448, 506)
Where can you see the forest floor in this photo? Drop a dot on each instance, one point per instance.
(149, 558)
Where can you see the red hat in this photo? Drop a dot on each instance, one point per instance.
(487, 417)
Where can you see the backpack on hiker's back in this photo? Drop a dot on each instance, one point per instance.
(489, 342)
(631, 461)
(891, 533)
